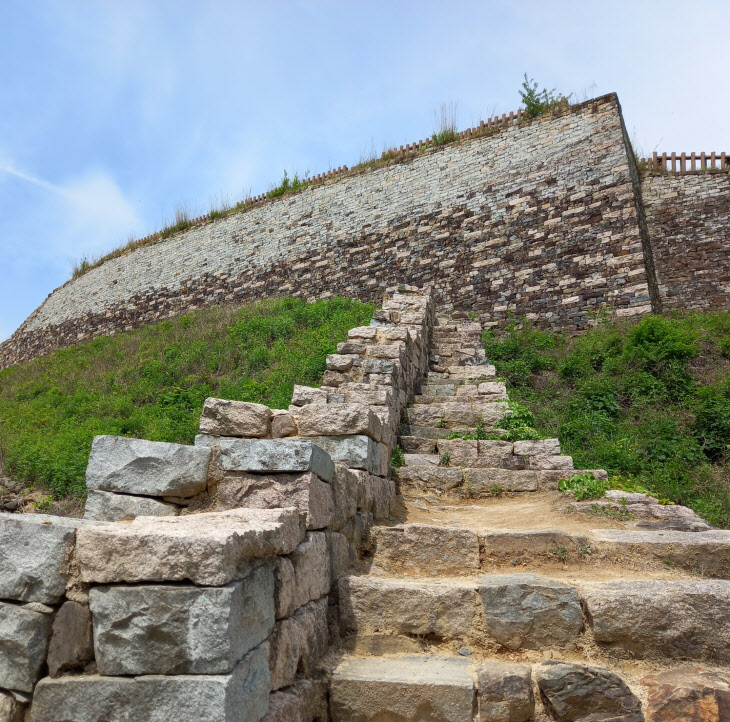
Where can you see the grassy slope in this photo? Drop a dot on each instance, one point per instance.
(151, 383)
(647, 400)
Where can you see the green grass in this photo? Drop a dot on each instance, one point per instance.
(151, 383)
(647, 401)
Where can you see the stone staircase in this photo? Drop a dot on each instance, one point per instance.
(493, 597)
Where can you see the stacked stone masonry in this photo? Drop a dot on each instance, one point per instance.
(689, 224)
(266, 572)
(538, 218)
(198, 584)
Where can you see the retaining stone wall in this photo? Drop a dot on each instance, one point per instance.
(689, 225)
(537, 218)
(198, 585)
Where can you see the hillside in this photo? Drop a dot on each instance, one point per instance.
(151, 383)
(647, 400)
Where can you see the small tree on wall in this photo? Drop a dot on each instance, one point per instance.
(538, 102)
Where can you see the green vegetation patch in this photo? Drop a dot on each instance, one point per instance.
(151, 383)
(648, 401)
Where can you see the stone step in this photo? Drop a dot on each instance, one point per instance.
(407, 688)
(423, 549)
(457, 414)
(472, 482)
(642, 619)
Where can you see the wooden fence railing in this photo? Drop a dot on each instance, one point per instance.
(688, 162)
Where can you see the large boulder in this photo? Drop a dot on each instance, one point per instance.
(156, 629)
(146, 468)
(241, 696)
(275, 455)
(24, 633)
(529, 611)
(369, 605)
(34, 554)
(577, 693)
(208, 549)
(688, 693)
(222, 417)
(687, 619)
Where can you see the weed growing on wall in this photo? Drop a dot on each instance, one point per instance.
(151, 383)
(649, 401)
(538, 102)
(287, 185)
(446, 125)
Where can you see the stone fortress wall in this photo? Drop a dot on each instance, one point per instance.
(540, 217)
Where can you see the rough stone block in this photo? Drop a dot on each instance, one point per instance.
(339, 420)
(543, 447)
(531, 543)
(458, 450)
(423, 549)
(307, 492)
(24, 635)
(343, 556)
(304, 395)
(355, 452)
(689, 693)
(485, 480)
(154, 629)
(527, 611)
(34, 552)
(370, 605)
(580, 692)
(283, 424)
(345, 489)
(11, 709)
(71, 645)
(108, 506)
(298, 643)
(505, 692)
(241, 696)
(303, 701)
(687, 619)
(431, 477)
(550, 463)
(207, 549)
(375, 494)
(146, 468)
(311, 564)
(356, 393)
(276, 455)
(407, 689)
(221, 417)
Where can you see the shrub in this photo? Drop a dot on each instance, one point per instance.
(287, 185)
(538, 102)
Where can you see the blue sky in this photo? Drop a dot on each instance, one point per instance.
(114, 114)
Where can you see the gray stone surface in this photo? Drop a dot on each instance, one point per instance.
(154, 629)
(207, 549)
(406, 689)
(345, 489)
(23, 643)
(423, 549)
(431, 477)
(543, 447)
(304, 701)
(34, 552)
(276, 455)
(311, 564)
(303, 395)
(529, 611)
(108, 506)
(71, 645)
(298, 643)
(376, 494)
(686, 619)
(222, 417)
(485, 480)
(579, 692)
(12, 709)
(307, 492)
(283, 424)
(355, 452)
(370, 605)
(505, 692)
(241, 696)
(146, 468)
(338, 420)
